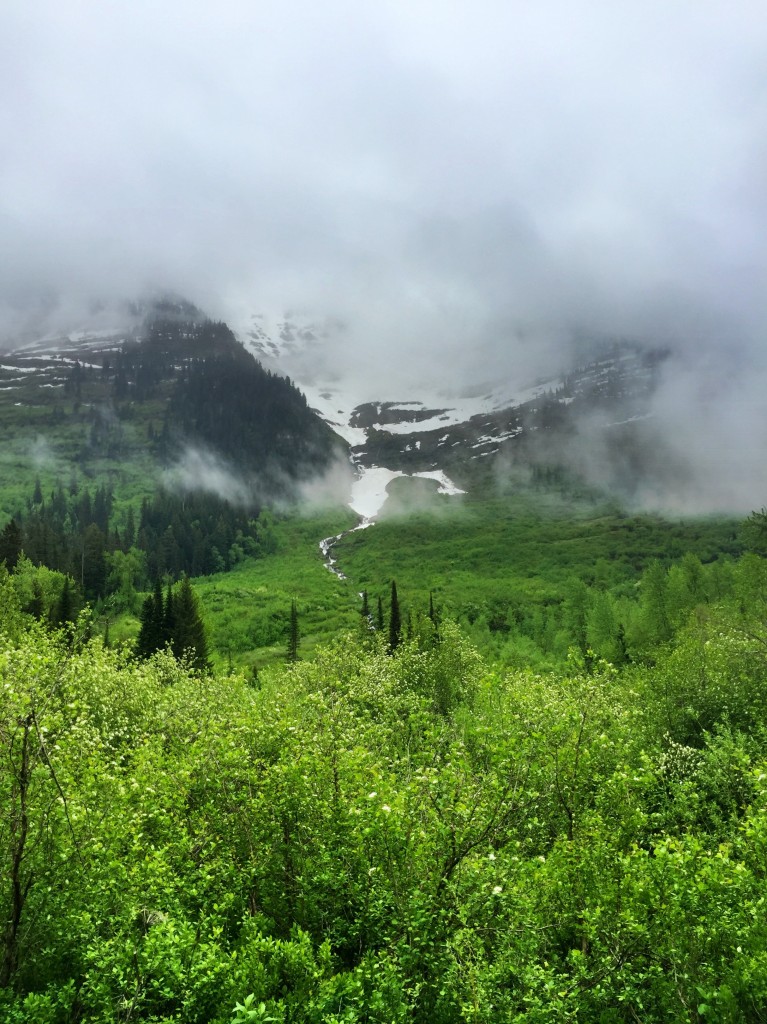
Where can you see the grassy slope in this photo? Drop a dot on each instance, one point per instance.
(472, 551)
(475, 553)
(247, 609)
(47, 435)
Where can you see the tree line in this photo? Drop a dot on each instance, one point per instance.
(75, 532)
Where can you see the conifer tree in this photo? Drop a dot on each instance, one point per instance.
(36, 605)
(169, 617)
(93, 565)
(65, 606)
(129, 533)
(189, 640)
(380, 615)
(395, 620)
(10, 544)
(433, 616)
(365, 610)
(293, 634)
(151, 636)
(142, 647)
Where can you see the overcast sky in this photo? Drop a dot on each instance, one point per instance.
(440, 173)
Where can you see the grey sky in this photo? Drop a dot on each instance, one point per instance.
(442, 174)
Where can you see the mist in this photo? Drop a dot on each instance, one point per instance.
(199, 469)
(470, 191)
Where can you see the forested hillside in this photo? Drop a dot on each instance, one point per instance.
(121, 413)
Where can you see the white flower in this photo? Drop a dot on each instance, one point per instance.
(373, 795)
(386, 808)
(491, 856)
(497, 890)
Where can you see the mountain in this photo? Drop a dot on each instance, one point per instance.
(281, 396)
(155, 390)
(592, 420)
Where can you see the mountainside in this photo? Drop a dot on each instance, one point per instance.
(166, 390)
(167, 387)
(592, 421)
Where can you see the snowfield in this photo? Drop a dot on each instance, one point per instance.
(370, 490)
(297, 346)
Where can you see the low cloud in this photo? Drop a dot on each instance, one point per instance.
(470, 189)
(41, 455)
(201, 470)
(328, 489)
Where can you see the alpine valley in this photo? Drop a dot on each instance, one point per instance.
(325, 703)
(145, 441)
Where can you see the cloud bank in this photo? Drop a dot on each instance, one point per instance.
(464, 186)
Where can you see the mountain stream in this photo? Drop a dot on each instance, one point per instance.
(369, 492)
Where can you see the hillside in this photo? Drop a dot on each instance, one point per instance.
(143, 453)
(127, 405)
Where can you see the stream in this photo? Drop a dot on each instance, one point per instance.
(327, 545)
(369, 492)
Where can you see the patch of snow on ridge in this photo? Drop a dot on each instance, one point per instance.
(456, 410)
(335, 408)
(446, 485)
(369, 491)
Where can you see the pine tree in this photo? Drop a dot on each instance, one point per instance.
(293, 634)
(189, 640)
(365, 610)
(93, 568)
(151, 636)
(36, 605)
(433, 616)
(169, 617)
(10, 544)
(380, 615)
(65, 606)
(395, 620)
(129, 533)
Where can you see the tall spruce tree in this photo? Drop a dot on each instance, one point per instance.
(169, 617)
(189, 640)
(152, 636)
(395, 620)
(433, 616)
(10, 544)
(64, 611)
(293, 633)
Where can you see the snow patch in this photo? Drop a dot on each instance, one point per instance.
(369, 491)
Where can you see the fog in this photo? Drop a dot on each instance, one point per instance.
(468, 188)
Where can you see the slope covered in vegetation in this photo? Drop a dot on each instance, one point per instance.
(368, 837)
